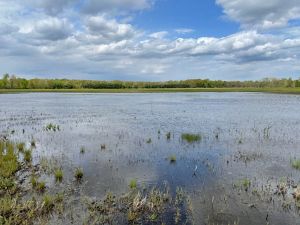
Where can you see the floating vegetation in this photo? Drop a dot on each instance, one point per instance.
(78, 174)
(52, 127)
(190, 138)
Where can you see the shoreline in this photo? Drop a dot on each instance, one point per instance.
(155, 90)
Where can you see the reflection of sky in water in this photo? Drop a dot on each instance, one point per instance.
(124, 122)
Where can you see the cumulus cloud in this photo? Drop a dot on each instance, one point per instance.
(109, 29)
(52, 29)
(261, 14)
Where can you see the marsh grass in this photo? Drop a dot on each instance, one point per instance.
(147, 206)
(133, 184)
(191, 138)
(28, 155)
(295, 164)
(21, 146)
(78, 174)
(52, 127)
(40, 186)
(9, 163)
(168, 135)
(243, 183)
(172, 159)
(58, 174)
(33, 143)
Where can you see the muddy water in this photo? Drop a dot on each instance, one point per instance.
(249, 136)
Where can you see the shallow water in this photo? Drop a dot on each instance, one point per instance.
(231, 125)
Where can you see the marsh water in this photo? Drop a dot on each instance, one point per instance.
(245, 136)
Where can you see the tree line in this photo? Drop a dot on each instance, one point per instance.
(14, 82)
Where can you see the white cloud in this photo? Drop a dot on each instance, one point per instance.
(109, 29)
(261, 14)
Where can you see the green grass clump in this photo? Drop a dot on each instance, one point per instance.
(27, 155)
(58, 173)
(6, 183)
(296, 164)
(52, 127)
(21, 146)
(40, 186)
(9, 163)
(78, 174)
(190, 138)
(48, 203)
(133, 184)
(33, 181)
(172, 159)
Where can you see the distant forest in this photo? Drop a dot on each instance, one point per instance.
(13, 82)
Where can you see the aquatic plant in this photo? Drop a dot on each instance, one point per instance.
(190, 138)
(21, 146)
(149, 141)
(9, 163)
(40, 186)
(33, 181)
(172, 159)
(78, 174)
(133, 183)
(168, 135)
(27, 155)
(33, 143)
(58, 173)
(52, 127)
(296, 164)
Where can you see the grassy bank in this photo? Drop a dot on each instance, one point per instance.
(156, 90)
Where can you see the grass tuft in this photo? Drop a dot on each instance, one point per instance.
(296, 164)
(133, 184)
(78, 174)
(58, 174)
(190, 138)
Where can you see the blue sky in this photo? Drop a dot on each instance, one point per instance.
(204, 18)
(150, 39)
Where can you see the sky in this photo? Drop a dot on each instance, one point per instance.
(150, 40)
